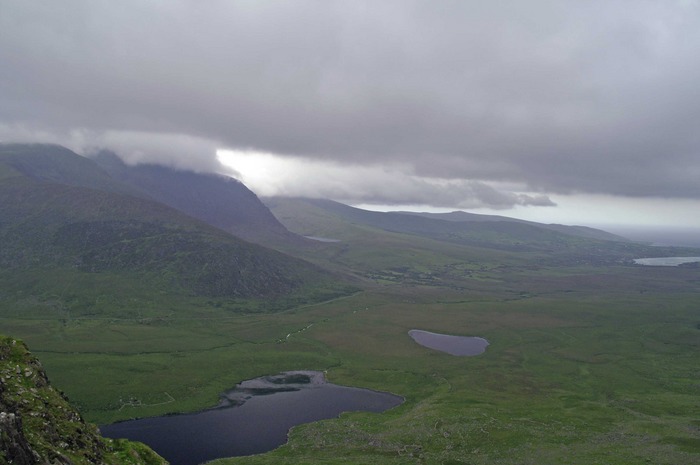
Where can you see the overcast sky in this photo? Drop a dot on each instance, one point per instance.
(571, 111)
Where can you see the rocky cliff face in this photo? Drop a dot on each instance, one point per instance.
(39, 426)
(13, 443)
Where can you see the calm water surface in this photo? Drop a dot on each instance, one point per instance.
(254, 417)
(453, 345)
(665, 261)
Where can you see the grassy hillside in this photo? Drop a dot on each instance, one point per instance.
(515, 236)
(52, 216)
(50, 225)
(391, 242)
(378, 255)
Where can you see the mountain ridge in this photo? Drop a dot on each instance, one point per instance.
(516, 235)
(551, 244)
(217, 199)
(53, 213)
(574, 230)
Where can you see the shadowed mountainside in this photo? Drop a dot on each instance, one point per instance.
(218, 200)
(59, 165)
(60, 210)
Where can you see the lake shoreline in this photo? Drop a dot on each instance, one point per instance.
(253, 418)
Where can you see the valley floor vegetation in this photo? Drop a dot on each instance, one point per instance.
(585, 364)
(136, 309)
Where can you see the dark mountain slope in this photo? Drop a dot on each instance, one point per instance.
(39, 426)
(45, 224)
(215, 199)
(53, 163)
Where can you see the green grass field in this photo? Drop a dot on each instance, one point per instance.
(586, 365)
(136, 309)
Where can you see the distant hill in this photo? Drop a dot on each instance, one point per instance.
(465, 229)
(59, 210)
(581, 231)
(39, 426)
(218, 200)
(484, 235)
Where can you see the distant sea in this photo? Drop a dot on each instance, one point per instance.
(657, 236)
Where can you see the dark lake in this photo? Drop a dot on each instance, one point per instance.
(453, 345)
(254, 417)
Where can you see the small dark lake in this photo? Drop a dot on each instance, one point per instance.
(453, 345)
(252, 418)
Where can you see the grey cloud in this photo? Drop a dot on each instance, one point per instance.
(494, 198)
(392, 186)
(535, 200)
(175, 150)
(179, 151)
(559, 97)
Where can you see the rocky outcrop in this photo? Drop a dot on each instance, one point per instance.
(39, 426)
(13, 443)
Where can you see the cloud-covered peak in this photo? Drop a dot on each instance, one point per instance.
(551, 97)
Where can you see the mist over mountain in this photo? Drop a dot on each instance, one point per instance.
(218, 200)
(149, 283)
(60, 210)
(141, 309)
